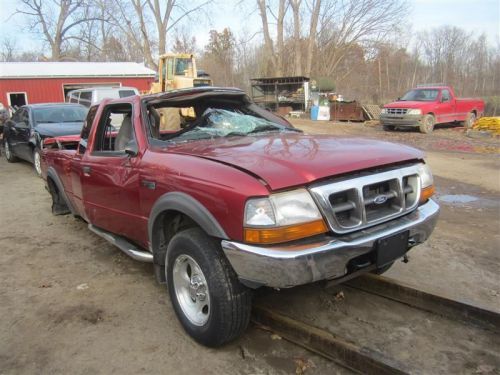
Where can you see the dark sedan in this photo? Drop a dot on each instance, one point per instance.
(31, 124)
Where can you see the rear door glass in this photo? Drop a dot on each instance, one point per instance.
(125, 93)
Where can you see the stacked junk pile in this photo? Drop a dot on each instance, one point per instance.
(295, 96)
(333, 107)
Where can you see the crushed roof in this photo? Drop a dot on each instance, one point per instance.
(73, 69)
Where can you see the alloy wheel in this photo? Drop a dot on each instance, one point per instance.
(191, 289)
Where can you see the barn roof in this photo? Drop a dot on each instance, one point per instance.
(73, 69)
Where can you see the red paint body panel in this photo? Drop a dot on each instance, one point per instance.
(454, 110)
(221, 174)
(50, 90)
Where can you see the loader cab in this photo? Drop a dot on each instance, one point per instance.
(177, 71)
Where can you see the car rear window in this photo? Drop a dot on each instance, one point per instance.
(125, 93)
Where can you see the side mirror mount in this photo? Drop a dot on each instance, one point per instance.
(131, 149)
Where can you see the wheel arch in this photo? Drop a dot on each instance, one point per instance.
(185, 211)
(54, 179)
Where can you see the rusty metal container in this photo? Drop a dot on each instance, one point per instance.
(346, 111)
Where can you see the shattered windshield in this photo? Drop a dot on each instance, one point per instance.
(216, 123)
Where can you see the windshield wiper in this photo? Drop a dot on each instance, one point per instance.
(263, 128)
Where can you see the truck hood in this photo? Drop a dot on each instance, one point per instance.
(407, 104)
(56, 129)
(289, 159)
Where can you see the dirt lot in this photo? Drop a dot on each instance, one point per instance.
(71, 303)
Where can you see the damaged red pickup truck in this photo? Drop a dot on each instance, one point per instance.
(224, 197)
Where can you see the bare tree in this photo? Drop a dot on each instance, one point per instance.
(8, 52)
(219, 57)
(148, 22)
(57, 20)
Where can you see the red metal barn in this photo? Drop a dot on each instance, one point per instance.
(45, 82)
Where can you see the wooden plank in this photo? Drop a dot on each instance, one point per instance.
(359, 359)
(400, 292)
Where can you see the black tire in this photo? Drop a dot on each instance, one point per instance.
(388, 127)
(229, 301)
(37, 166)
(8, 152)
(469, 120)
(59, 205)
(427, 124)
(384, 269)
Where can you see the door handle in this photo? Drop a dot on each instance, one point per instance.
(86, 170)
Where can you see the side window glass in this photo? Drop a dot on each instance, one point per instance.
(116, 130)
(87, 126)
(21, 118)
(16, 116)
(86, 98)
(73, 97)
(125, 93)
(445, 96)
(170, 69)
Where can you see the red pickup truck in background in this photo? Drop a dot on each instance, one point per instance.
(226, 197)
(428, 105)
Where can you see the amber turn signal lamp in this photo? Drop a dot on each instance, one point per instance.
(284, 234)
(426, 193)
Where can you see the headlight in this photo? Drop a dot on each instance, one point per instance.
(383, 111)
(282, 217)
(414, 112)
(426, 183)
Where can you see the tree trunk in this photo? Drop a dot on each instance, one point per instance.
(311, 40)
(296, 36)
(280, 38)
(268, 42)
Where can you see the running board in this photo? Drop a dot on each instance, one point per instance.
(128, 248)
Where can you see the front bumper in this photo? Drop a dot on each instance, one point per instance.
(400, 120)
(283, 266)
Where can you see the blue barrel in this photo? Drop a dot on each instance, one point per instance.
(314, 112)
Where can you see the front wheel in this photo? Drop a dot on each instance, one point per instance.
(210, 302)
(8, 152)
(427, 124)
(37, 162)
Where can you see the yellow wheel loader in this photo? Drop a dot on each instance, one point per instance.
(176, 71)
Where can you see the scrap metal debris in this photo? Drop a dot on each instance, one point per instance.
(303, 365)
(490, 124)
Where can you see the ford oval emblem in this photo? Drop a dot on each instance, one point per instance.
(380, 199)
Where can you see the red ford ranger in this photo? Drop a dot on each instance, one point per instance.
(224, 197)
(426, 106)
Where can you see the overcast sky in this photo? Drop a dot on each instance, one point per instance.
(478, 16)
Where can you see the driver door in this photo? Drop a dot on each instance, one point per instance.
(110, 175)
(19, 134)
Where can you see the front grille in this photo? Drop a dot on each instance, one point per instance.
(357, 203)
(397, 111)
